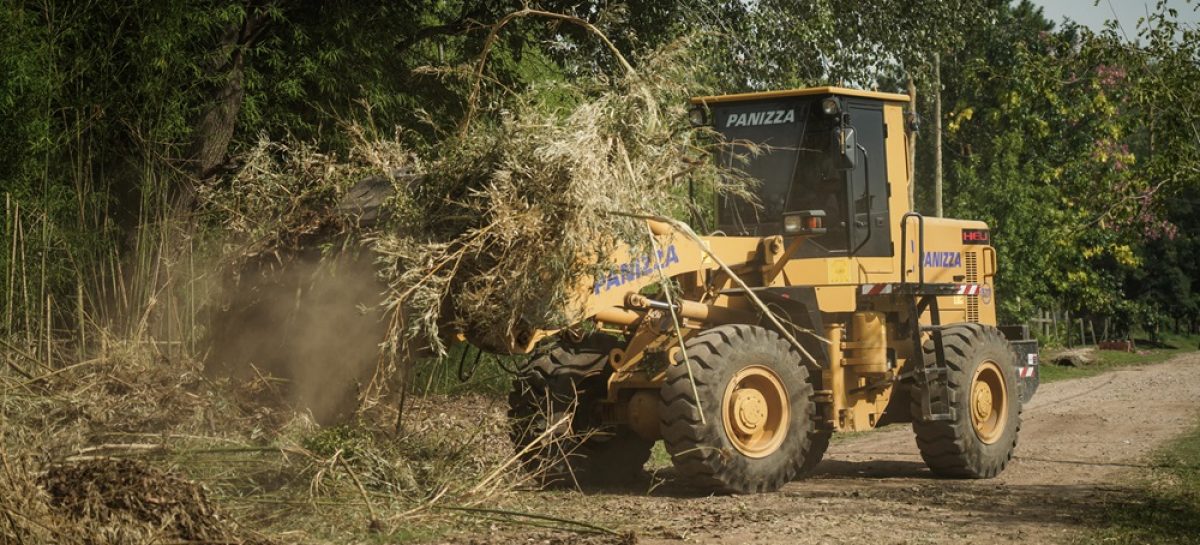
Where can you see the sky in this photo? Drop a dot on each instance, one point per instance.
(1093, 15)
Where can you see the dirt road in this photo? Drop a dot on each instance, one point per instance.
(1083, 445)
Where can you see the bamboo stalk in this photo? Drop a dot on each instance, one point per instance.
(62, 370)
(13, 365)
(361, 490)
(11, 262)
(49, 338)
(33, 359)
(191, 296)
(532, 444)
(28, 321)
(44, 288)
(119, 282)
(79, 315)
(666, 286)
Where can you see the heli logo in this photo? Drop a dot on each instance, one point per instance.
(767, 117)
(976, 236)
(635, 269)
(945, 260)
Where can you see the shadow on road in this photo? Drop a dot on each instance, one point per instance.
(844, 489)
(874, 469)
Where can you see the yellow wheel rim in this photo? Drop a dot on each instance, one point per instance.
(755, 411)
(989, 402)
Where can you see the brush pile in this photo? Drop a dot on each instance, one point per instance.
(65, 484)
(126, 501)
(131, 447)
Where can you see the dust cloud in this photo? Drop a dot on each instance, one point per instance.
(310, 324)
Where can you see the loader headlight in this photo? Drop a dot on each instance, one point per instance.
(792, 224)
(808, 222)
(830, 106)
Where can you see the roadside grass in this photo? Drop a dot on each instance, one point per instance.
(1167, 508)
(1107, 360)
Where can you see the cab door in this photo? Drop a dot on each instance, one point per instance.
(870, 230)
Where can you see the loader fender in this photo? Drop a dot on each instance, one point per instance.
(1027, 367)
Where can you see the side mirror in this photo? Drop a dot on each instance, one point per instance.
(846, 145)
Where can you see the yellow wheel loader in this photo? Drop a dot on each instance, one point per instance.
(831, 307)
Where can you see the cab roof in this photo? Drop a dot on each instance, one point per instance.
(840, 91)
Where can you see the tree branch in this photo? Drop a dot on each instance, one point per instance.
(528, 12)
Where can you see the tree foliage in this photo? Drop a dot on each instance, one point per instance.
(1078, 147)
(1073, 145)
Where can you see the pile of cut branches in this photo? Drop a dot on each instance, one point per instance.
(519, 211)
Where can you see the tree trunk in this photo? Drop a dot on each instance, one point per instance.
(215, 129)
(1067, 330)
(937, 135)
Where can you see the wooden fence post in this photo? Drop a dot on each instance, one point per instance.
(1068, 336)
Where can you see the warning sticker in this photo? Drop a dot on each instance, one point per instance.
(839, 271)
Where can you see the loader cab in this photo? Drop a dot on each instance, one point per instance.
(810, 150)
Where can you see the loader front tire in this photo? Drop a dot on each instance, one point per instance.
(816, 452)
(564, 385)
(979, 442)
(756, 399)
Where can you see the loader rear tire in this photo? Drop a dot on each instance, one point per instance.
(756, 399)
(566, 382)
(985, 396)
